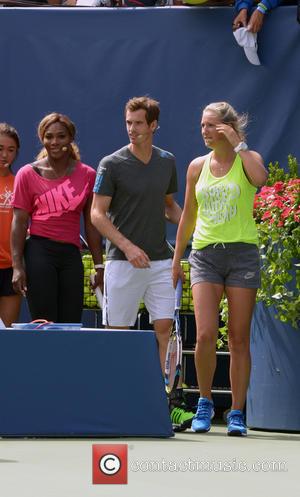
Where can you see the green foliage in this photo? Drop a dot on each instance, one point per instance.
(277, 173)
(277, 214)
(222, 341)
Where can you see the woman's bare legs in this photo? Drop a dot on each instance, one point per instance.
(241, 303)
(10, 309)
(207, 297)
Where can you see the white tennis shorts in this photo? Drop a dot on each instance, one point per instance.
(125, 286)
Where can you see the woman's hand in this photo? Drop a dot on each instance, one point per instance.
(229, 133)
(98, 281)
(177, 273)
(19, 281)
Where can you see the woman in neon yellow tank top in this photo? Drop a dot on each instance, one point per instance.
(224, 258)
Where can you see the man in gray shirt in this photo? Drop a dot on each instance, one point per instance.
(133, 197)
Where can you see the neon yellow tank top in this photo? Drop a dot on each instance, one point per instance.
(225, 207)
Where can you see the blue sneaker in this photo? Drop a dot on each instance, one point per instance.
(202, 419)
(236, 424)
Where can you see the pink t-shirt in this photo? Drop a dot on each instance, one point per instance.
(55, 205)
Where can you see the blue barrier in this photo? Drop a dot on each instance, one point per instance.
(88, 62)
(82, 383)
(273, 401)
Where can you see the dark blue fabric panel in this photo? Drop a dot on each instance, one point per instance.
(88, 62)
(273, 401)
(105, 383)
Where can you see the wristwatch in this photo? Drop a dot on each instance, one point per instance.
(241, 147)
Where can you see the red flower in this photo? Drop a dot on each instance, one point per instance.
(278, 186)
(267, 215)
(278, 203)
(286, 212)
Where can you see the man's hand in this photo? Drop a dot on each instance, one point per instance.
(256, 21)
(137, 257)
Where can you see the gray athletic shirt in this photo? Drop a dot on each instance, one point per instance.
(138, 193)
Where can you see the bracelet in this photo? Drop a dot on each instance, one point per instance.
(99, 266)
(262, 8)
(242, 146)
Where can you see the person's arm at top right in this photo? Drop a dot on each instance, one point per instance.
(100, 206)
(257, 17)
(18, 237)
(188, 218)
(243, 7)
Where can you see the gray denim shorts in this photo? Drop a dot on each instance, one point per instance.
(228, 264)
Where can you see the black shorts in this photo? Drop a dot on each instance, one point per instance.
(228, 264)
(6, 288)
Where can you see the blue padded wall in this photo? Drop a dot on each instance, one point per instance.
(82, 383)
(88, 62)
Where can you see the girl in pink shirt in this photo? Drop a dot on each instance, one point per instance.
(9, 301)
(49, 196)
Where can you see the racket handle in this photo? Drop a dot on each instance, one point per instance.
(178, 294)
(97, 292)
(84, 242)
(170, 246)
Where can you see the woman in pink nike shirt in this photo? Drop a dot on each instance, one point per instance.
(50, 195)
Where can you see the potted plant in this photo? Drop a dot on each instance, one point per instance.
(277, 212)
(274, 396)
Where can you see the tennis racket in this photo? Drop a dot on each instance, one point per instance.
(174, 351)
